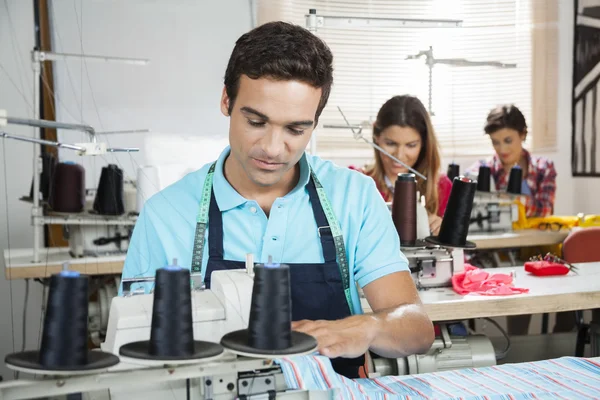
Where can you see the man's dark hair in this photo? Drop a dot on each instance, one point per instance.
(282, 51)
(505, 116)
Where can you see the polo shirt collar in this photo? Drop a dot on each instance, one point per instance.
(228, 198)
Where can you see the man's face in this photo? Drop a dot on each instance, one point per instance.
(270, 126)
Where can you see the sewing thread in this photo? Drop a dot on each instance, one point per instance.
(109, 197)
(514, 180)
(455, 224)
(404, 208)
(483, 179)
(270, 325)
(65, 334)
(172, 333)
(68, 188)
(453, 171)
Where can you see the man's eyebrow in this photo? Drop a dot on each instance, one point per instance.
(250, 110)
(302, 123)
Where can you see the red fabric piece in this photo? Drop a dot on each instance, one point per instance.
(479, 281)
(546, 268)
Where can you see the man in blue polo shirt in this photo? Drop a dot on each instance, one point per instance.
(264, 195)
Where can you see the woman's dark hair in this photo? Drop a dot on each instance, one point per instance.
(281, 51)
(505, 116)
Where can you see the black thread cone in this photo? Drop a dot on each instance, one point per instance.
(68, 193)
(453, 171)
(172, 333)
(65, 335)
(109, 197)
(455, 224)
(483, 179)
(269, 330)
(404, 208)
(172, 330)
(270, 325)
(64, 340)
(514, 180)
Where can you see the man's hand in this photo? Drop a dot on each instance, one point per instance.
(349, 337)
(435, 223)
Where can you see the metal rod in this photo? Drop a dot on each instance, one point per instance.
(122, 150)
(51, 56)
(123, 132)
(65, 146)
(41, 141)
(37, 165)
(358, 135)
(314, 21)
(42, 123)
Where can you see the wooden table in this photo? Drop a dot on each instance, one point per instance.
(19, 263)
(522, 238)
(550, 294)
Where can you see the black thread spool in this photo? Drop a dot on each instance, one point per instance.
(269, 330)
(456, 221)
(110, 193)
(46, 177)
(483, 179)
(172, 331)
(515, 180)
(404, 208)
(68, 191)
(453, 171)
(64, 344)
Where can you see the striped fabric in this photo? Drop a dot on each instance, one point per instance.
(562, 378)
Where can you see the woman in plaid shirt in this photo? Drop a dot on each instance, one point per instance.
(507, 129)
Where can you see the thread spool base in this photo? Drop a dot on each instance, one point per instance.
(141, 351)
(435, 240)
(237, 343)
(28, 362)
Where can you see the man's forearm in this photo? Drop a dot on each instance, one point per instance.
(401, 331)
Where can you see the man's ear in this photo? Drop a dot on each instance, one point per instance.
(225, 101)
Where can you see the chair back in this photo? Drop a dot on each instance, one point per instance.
(582, 246)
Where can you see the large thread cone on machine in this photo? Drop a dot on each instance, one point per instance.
(64, 344)
(109, 197)
(172, 332)
(269, 332)
(457, 218)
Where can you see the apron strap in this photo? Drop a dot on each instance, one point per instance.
(215, 229)
(336, 231)
(323, 229)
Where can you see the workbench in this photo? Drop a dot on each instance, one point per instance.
(19, 263)
(548, 294)
(517, 239)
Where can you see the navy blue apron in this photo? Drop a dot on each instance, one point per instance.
(318, 290)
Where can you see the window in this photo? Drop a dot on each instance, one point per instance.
(371, 66)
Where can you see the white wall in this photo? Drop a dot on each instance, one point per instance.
(178, 93)
(188, 43)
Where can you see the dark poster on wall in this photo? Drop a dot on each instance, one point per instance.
(585, 151)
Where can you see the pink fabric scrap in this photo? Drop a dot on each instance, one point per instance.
(478, 281)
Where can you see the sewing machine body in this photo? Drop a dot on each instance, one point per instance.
(433, 266)
(493, 212)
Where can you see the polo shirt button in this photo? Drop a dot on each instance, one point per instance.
(274, 238)
(253, 210)
(280, 206)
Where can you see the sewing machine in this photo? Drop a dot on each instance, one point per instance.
(493, 212)
(430, 265)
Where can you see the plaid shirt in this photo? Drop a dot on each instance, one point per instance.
(541, 179)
